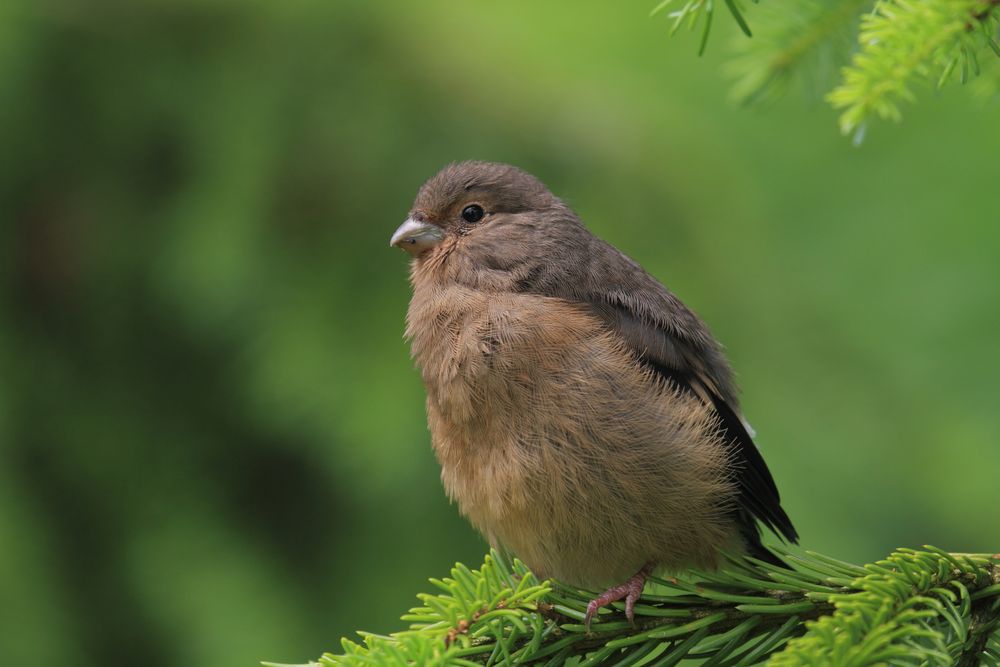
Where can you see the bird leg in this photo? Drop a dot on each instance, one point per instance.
(630, 590)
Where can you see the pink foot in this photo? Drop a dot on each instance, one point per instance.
(630, 590)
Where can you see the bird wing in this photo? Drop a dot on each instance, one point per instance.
(670, 339)
(759, 495)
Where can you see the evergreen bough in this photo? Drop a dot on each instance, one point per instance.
(882, 48)
(915, 607)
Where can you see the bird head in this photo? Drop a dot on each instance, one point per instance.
(487, 224)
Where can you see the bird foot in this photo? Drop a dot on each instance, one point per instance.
(630, 591)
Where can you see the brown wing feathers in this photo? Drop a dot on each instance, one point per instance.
(758, 493)
(669, 338)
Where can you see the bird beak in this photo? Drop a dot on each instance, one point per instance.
(415, 237)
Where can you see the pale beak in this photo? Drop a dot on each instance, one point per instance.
(415, 237)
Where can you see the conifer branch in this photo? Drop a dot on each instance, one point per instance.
(898, 44)
(904, 41)
(914, 607)
(789, 37)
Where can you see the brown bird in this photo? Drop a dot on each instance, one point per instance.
(584, 418)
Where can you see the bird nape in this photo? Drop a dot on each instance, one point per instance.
(584, 418)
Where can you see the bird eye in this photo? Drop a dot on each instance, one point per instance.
(472, 213)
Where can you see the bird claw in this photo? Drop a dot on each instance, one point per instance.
(629, 591)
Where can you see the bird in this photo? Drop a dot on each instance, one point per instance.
(584, 418)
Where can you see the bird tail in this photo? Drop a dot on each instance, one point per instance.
(755, 548)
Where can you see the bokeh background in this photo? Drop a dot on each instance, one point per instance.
(212, 442)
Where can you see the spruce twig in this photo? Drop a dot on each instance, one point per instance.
(898, 43)
(908, 41)
(922, 606)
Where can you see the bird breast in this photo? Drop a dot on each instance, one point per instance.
(558, 445)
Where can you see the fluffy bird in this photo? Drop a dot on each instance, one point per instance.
(584, 418)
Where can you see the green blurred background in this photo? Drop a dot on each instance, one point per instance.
(212, 441)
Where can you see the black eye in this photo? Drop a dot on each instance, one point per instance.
(472, 213)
